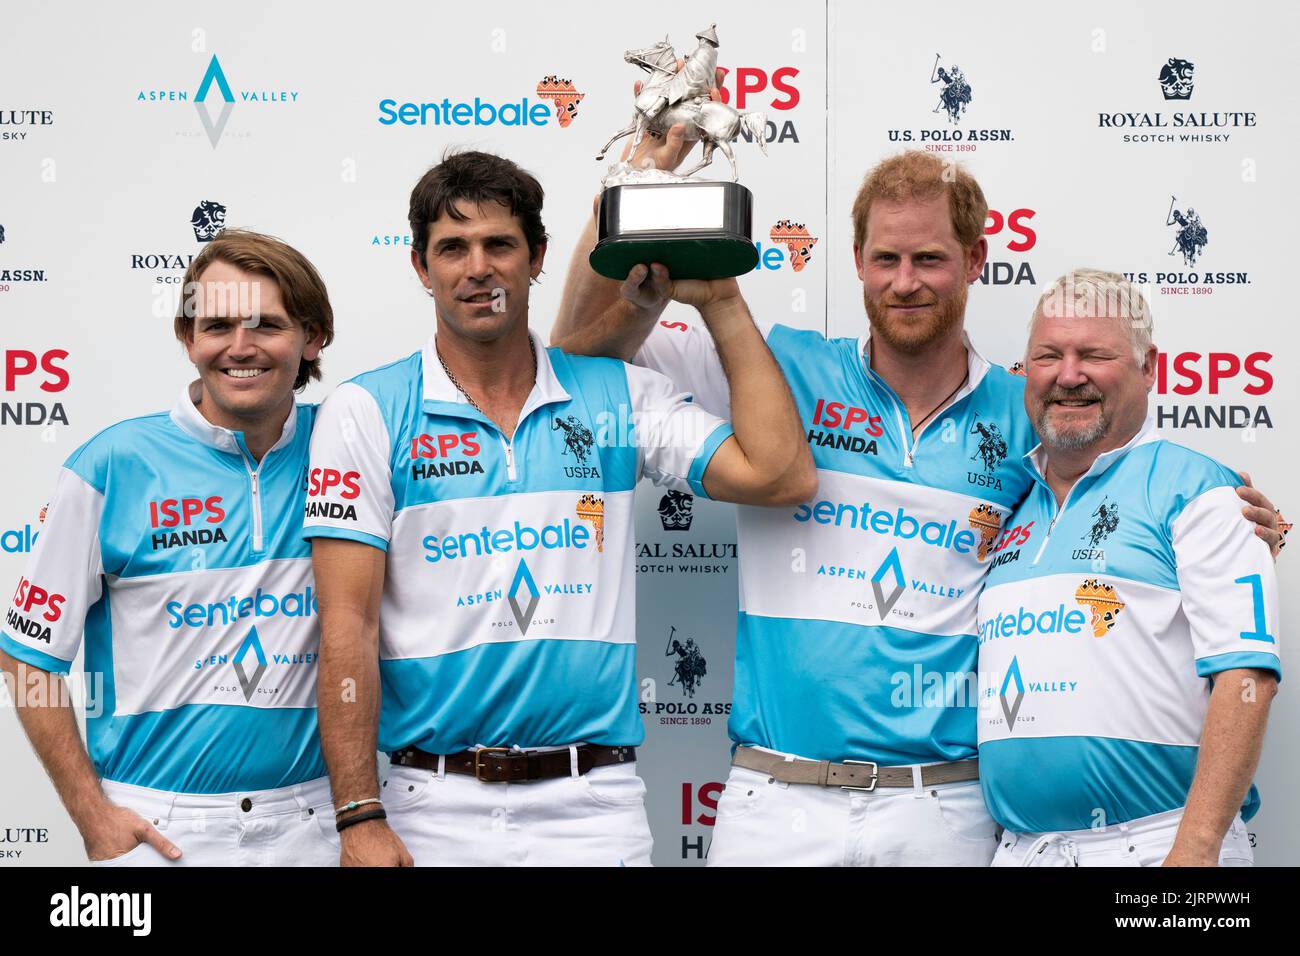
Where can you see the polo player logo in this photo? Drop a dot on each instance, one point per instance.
(1105, 525)
(208, 219)
(992, 449)
(1176, 79)
(577, 437)
(675, 511)
(954, 97)
(1190, 239)
(689, 668)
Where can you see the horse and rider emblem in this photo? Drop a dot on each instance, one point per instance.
(1191, 237)
(689, 668)
(1107, 520)
(577, 437)
(672, 95)
(992, 448)
(954, 95)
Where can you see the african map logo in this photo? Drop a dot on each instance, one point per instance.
(992, 448)
(1176, 79)
(986, 522)
(590, 508)
(1103, 602)
(798, 243)
(1107, 520)
(1190, 237)
(689, 668)
(955, 93)
(675, 511)
(563, 95)
(208, 219)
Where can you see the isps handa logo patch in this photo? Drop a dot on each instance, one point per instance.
(1103, 602)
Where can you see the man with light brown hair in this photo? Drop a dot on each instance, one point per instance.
(854, 704)
(173, 542)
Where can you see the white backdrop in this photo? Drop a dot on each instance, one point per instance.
(104, 154)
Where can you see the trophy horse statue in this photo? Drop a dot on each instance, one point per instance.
(672, 96)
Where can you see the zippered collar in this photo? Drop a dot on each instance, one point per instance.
(441, 397)
(1036, 459)
(190, 420)
(976, 365)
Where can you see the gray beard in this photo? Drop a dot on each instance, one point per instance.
(1072, 440)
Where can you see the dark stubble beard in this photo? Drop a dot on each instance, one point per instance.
(915, 336)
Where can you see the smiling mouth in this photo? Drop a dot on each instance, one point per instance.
(1075, 402)
(244, 373)
(478, 298)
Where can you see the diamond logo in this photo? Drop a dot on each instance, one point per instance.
(1009, 710)
(523, 579)
(891, 563)
(249, 684)
(214, 128)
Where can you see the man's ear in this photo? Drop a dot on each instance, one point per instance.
(535, 264)
(417, 263)
(979, 254)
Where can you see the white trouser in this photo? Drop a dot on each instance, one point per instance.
(451, 819)
(1145, 841)
(289, 826)
(765, 822)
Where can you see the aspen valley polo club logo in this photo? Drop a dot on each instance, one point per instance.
(947, 131)
(1175, 82)
(215, 100)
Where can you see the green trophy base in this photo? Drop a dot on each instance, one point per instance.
(698, 230)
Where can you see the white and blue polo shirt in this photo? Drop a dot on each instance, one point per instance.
(856, 632)
(182, 561)
(508, 615)
(1102, 625)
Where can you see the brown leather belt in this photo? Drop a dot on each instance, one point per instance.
(852, 774)
(504, 765)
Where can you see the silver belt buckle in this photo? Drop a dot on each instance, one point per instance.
(875, 775)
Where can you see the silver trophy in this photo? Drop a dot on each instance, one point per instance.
(699, 229)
